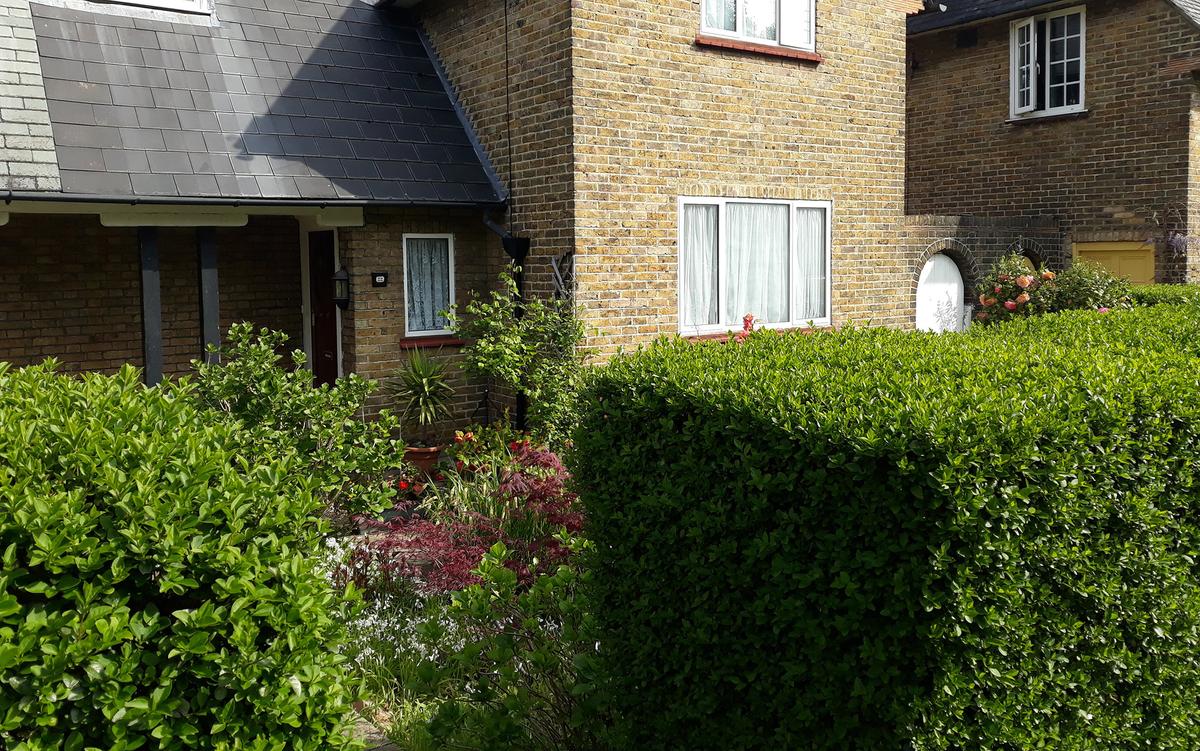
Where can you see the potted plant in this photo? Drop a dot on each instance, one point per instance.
(422, 395)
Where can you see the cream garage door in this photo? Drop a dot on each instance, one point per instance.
(1134, 261)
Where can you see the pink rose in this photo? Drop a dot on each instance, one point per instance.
(1102, 310)
(998, 289)
(1009, 305)
(1024, 281)
(1022, 298)
(1048, 275)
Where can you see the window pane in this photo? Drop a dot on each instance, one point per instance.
(1057, 71)
(1072, 96)
(427, 262)
(757, 244)
(1074, 24)
(808, 268)
(761, 20)
(720, 14)
(1073, 48)
(1058, 96)
(698, 266)
(1058, 27)
(1058, 50)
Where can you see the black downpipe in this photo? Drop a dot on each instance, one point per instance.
(516, 248)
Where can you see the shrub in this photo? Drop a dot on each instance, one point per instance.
(1087, 285)
(1166, 294)
(529, 348)
(876, 540)
(158, 587)
(1014, 290)
(422, 392)
(348, 458)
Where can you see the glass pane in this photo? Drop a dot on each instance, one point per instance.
(1058, 27)
(427, 262)
(757, 244)
(720, 14)
(1056, 74)
(698, 266)
(1074, 23)
(761, 20)
(808, 267)
(1073, 71)
(1057, 50)
(1058, 97)
(1073, 47)
(1073, 94)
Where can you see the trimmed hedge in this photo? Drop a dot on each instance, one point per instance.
(158, 588)
(880, 540)
(1166, 294)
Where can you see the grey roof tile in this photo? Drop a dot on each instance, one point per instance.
(330, 99)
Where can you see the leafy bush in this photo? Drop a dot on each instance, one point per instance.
(502, 665)
(422, 391)
(529, 348)
(1166, 294)
(877, 540)
(515, 493)
(1014, 290)
(348, 458)
(158, 587)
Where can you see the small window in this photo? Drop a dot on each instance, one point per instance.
(1048, 63)
(428, 283)
(785, 23)
(769, 259)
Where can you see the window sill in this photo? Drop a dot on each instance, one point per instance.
(770, 50)
(1049, 117)
(728, 335)
(430, 342)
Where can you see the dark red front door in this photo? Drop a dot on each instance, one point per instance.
(324, 311)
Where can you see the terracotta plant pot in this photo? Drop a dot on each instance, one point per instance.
(424, 459)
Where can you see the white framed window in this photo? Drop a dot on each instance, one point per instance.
(428, 284)
(1048, 69)
(766, 258)
(184, 6)
(784, 23)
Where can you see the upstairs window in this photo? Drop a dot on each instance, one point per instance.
(1048, 64)
(768, 259)
(784, 23)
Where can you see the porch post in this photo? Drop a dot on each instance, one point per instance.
(152, 346)
(210, 303)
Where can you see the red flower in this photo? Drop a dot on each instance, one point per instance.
(403, 485)
(1010, 305)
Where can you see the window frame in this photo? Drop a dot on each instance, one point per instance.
(408, 332)
(722, 261)
(810, 39)
(191, 7)
(1042, 63)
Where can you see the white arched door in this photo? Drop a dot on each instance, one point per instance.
(940, 296)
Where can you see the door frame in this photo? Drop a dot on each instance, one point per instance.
(306, 292)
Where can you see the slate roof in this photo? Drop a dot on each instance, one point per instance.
(967, 11)
(291, 99)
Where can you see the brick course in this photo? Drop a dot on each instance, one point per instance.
(1104, 174)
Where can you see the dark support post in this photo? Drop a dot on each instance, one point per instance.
(210, 299)
(517, 249)
(152, 346)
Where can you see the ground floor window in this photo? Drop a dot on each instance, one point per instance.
(428, 283)
(941, 296)
(769, 259)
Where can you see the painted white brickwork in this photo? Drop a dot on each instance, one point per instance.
(27, 157)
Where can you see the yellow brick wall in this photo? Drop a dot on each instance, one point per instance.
(1104, 174)
(657, 117)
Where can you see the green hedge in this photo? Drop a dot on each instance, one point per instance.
(1166, 294)
(158, 588)
(879, 540)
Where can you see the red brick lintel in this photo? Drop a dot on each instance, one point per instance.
(704, 40)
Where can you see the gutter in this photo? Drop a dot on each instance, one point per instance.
(8, 196)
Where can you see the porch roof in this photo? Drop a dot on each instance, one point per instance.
(960, 12)
(280, 99)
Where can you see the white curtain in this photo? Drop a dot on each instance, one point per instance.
(757, 249)
(720, 14)
(428, 287)
(808, 267)
(761, 19)
(699, 265)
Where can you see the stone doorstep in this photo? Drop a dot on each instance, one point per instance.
(371, 735)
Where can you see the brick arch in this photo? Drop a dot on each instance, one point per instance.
(957, 251)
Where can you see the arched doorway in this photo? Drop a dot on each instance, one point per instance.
(941, 296)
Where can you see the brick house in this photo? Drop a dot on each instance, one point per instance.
(172, 166)
(1082, 112)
